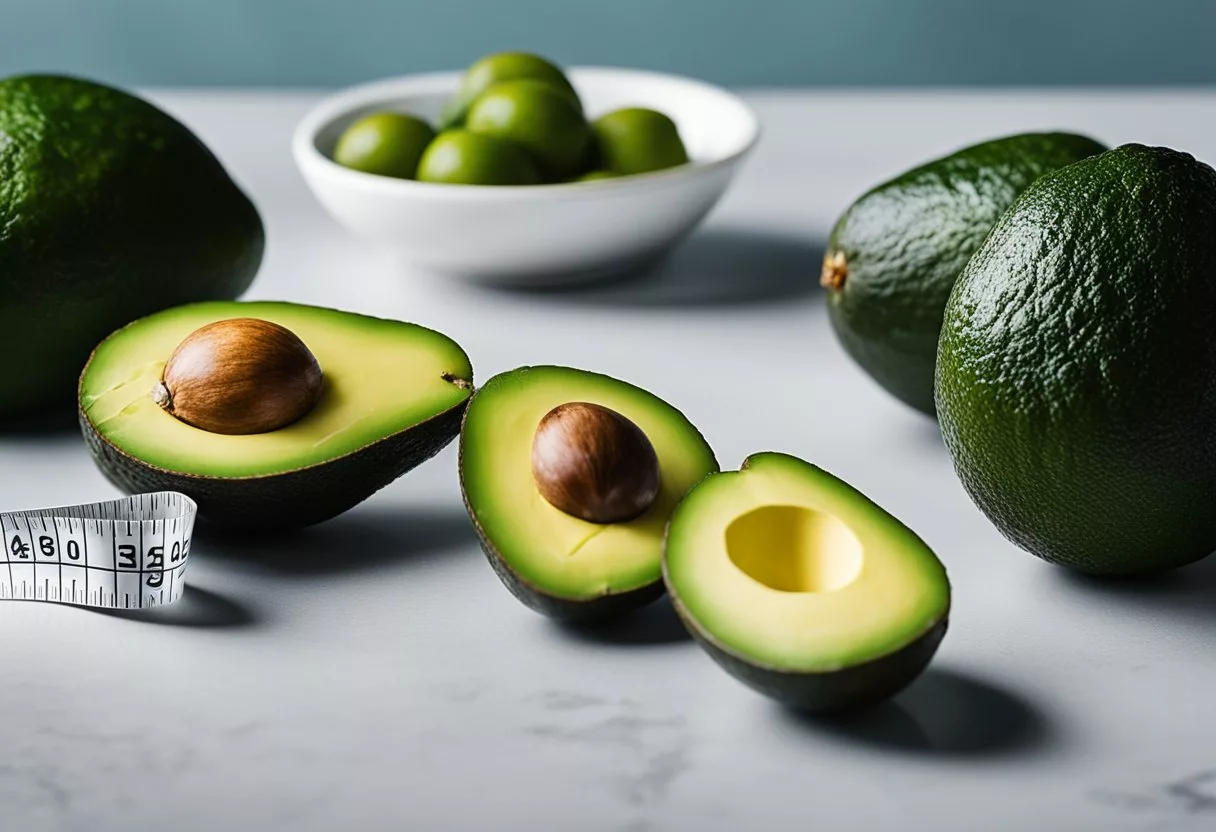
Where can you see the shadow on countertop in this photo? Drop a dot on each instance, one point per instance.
(362, 539)
(197, 608)
(922, 430)
(944, 712)
(654, 624)
(713, 268)
(1187, 592)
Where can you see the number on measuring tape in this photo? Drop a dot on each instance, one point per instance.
(19, 548)
(121, 554)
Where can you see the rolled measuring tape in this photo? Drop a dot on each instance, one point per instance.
(129, 553)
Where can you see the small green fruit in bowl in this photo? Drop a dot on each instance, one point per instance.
(458, 157)
(493, 69)
(532, 235)
(384, 143)
(539, 118)
(638, 140)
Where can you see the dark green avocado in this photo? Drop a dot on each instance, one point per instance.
(109, 209)
(894, 255)
(1076, 376)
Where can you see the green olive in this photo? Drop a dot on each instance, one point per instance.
(458, 157)
(388, 144)
(503, 66)
(540, 119)
(638, 140)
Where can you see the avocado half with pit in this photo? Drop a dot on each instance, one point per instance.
(536, 438)
(389, 395)
(802, 588)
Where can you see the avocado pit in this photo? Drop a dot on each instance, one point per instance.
(593, 463)
(240, 376)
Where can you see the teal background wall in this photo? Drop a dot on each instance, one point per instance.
(741, 42)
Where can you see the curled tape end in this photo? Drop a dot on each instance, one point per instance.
(128, 553)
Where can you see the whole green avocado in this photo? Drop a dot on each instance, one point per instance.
(894, 254)
(110, 209)
(1076, 375)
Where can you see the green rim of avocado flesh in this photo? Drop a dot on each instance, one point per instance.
(393, 397)
(554, 563)
(803, 588)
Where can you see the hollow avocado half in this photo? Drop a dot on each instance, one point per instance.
(894, 255)
(555, 563)
(801, 587)
(392, 397)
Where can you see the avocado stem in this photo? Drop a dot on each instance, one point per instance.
(835, 271)
(462, 383)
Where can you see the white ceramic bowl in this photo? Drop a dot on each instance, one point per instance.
(539, 234)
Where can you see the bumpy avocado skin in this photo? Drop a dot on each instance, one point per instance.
(110, 209)
(1076, 377)
(905, 241)
(290, 500)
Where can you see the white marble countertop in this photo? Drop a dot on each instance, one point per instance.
(372, 673)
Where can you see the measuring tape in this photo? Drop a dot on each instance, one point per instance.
(120, 554)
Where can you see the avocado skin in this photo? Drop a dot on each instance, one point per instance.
(838, 691)
(906, 240)
(1076, 378)
(565, 610)
(293, 499)
(110, 209)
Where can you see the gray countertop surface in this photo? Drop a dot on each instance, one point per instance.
(372, 673)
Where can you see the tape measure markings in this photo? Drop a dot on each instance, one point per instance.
(114, 554)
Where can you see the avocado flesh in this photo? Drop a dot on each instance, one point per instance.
(383, 380)
(1077, 367)
(802, 587)
(555, 563)
(110, 209)
(904, 242)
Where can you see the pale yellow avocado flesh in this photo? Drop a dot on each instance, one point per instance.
(380, 377)
(788, 567)
(552, 551)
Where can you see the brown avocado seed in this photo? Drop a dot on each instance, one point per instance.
(593, 463)
(238, 376)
